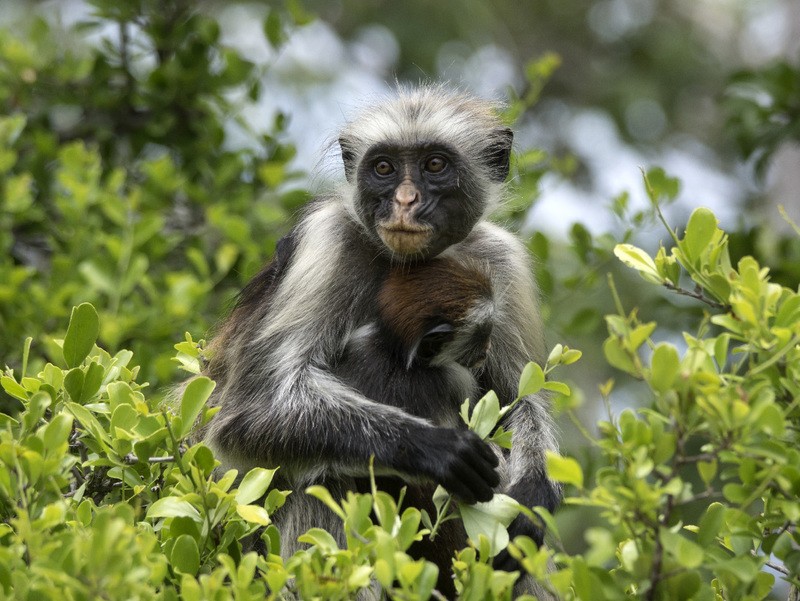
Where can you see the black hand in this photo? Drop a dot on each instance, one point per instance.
(457, 459)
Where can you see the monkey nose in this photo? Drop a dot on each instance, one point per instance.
(406, 194)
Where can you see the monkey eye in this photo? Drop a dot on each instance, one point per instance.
(384, 168)
(435, 164)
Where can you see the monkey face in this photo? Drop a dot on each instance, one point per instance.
(417, 201)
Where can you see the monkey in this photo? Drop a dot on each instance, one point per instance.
(422, 172)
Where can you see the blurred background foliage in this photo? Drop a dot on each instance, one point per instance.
(152, 153)
(157, 150)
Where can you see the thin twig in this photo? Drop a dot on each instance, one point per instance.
(697, 296)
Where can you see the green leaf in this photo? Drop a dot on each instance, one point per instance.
(661, 187)
(275, 499)
(409, 527)
(564, 469)
(665, 365)
(254, 485)
(707, 470)
(685, 552)
(89, 422)
(253, 514)
(172, 507)
(735, 493)
(491, 520)
(13, 388)
(639, 335)
(322, 493)
(385, 510)
(73, 382)
(57, 431)
(272, 537)
(699, 232)
(119, 393)
(639, 260)
(721, 344)
(185, 556)
(82, 332)
(464, 411)
(558, 387)
(555, 355)
(501, 437)
(124, 417)
(192, 402)
(617, 356)
(92, 380)
(485, 415)
(711, 524)
(273, 28)
(532, 379)
(320, 538)
(384, 573)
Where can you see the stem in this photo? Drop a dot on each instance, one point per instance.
(696, 295)
(656, 576)
(582, 429)
(789, 220)
(26, 350)
(440, 517)
(615, 295)
(657, 207)
(776, 357)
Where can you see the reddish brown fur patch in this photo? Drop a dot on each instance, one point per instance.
(438, 289)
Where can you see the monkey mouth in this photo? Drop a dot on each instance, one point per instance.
(405, 239)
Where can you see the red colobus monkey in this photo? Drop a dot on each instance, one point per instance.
(423, 170)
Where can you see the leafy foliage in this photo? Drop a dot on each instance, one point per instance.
(102, 490)
(116, 186)
(125, 218)
(699, 491)
(764, 110)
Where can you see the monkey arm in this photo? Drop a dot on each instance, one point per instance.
(317, 427)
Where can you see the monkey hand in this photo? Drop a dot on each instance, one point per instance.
(457, 459)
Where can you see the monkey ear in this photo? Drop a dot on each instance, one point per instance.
(498, 154)
(348, 158)
(430, 345)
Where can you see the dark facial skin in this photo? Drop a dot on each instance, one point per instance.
(417, 201)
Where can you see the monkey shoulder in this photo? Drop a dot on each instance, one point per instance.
(264, 282)
(495, 245)
(502, 253)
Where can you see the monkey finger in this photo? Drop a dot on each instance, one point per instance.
(488, 454)
(456, 487)
(486, 469)
(485, 472)
(466, 484)
(479, 489)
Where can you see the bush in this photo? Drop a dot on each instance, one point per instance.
(116, 187)
(697, 493)
(103, 493)
(118, 197)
